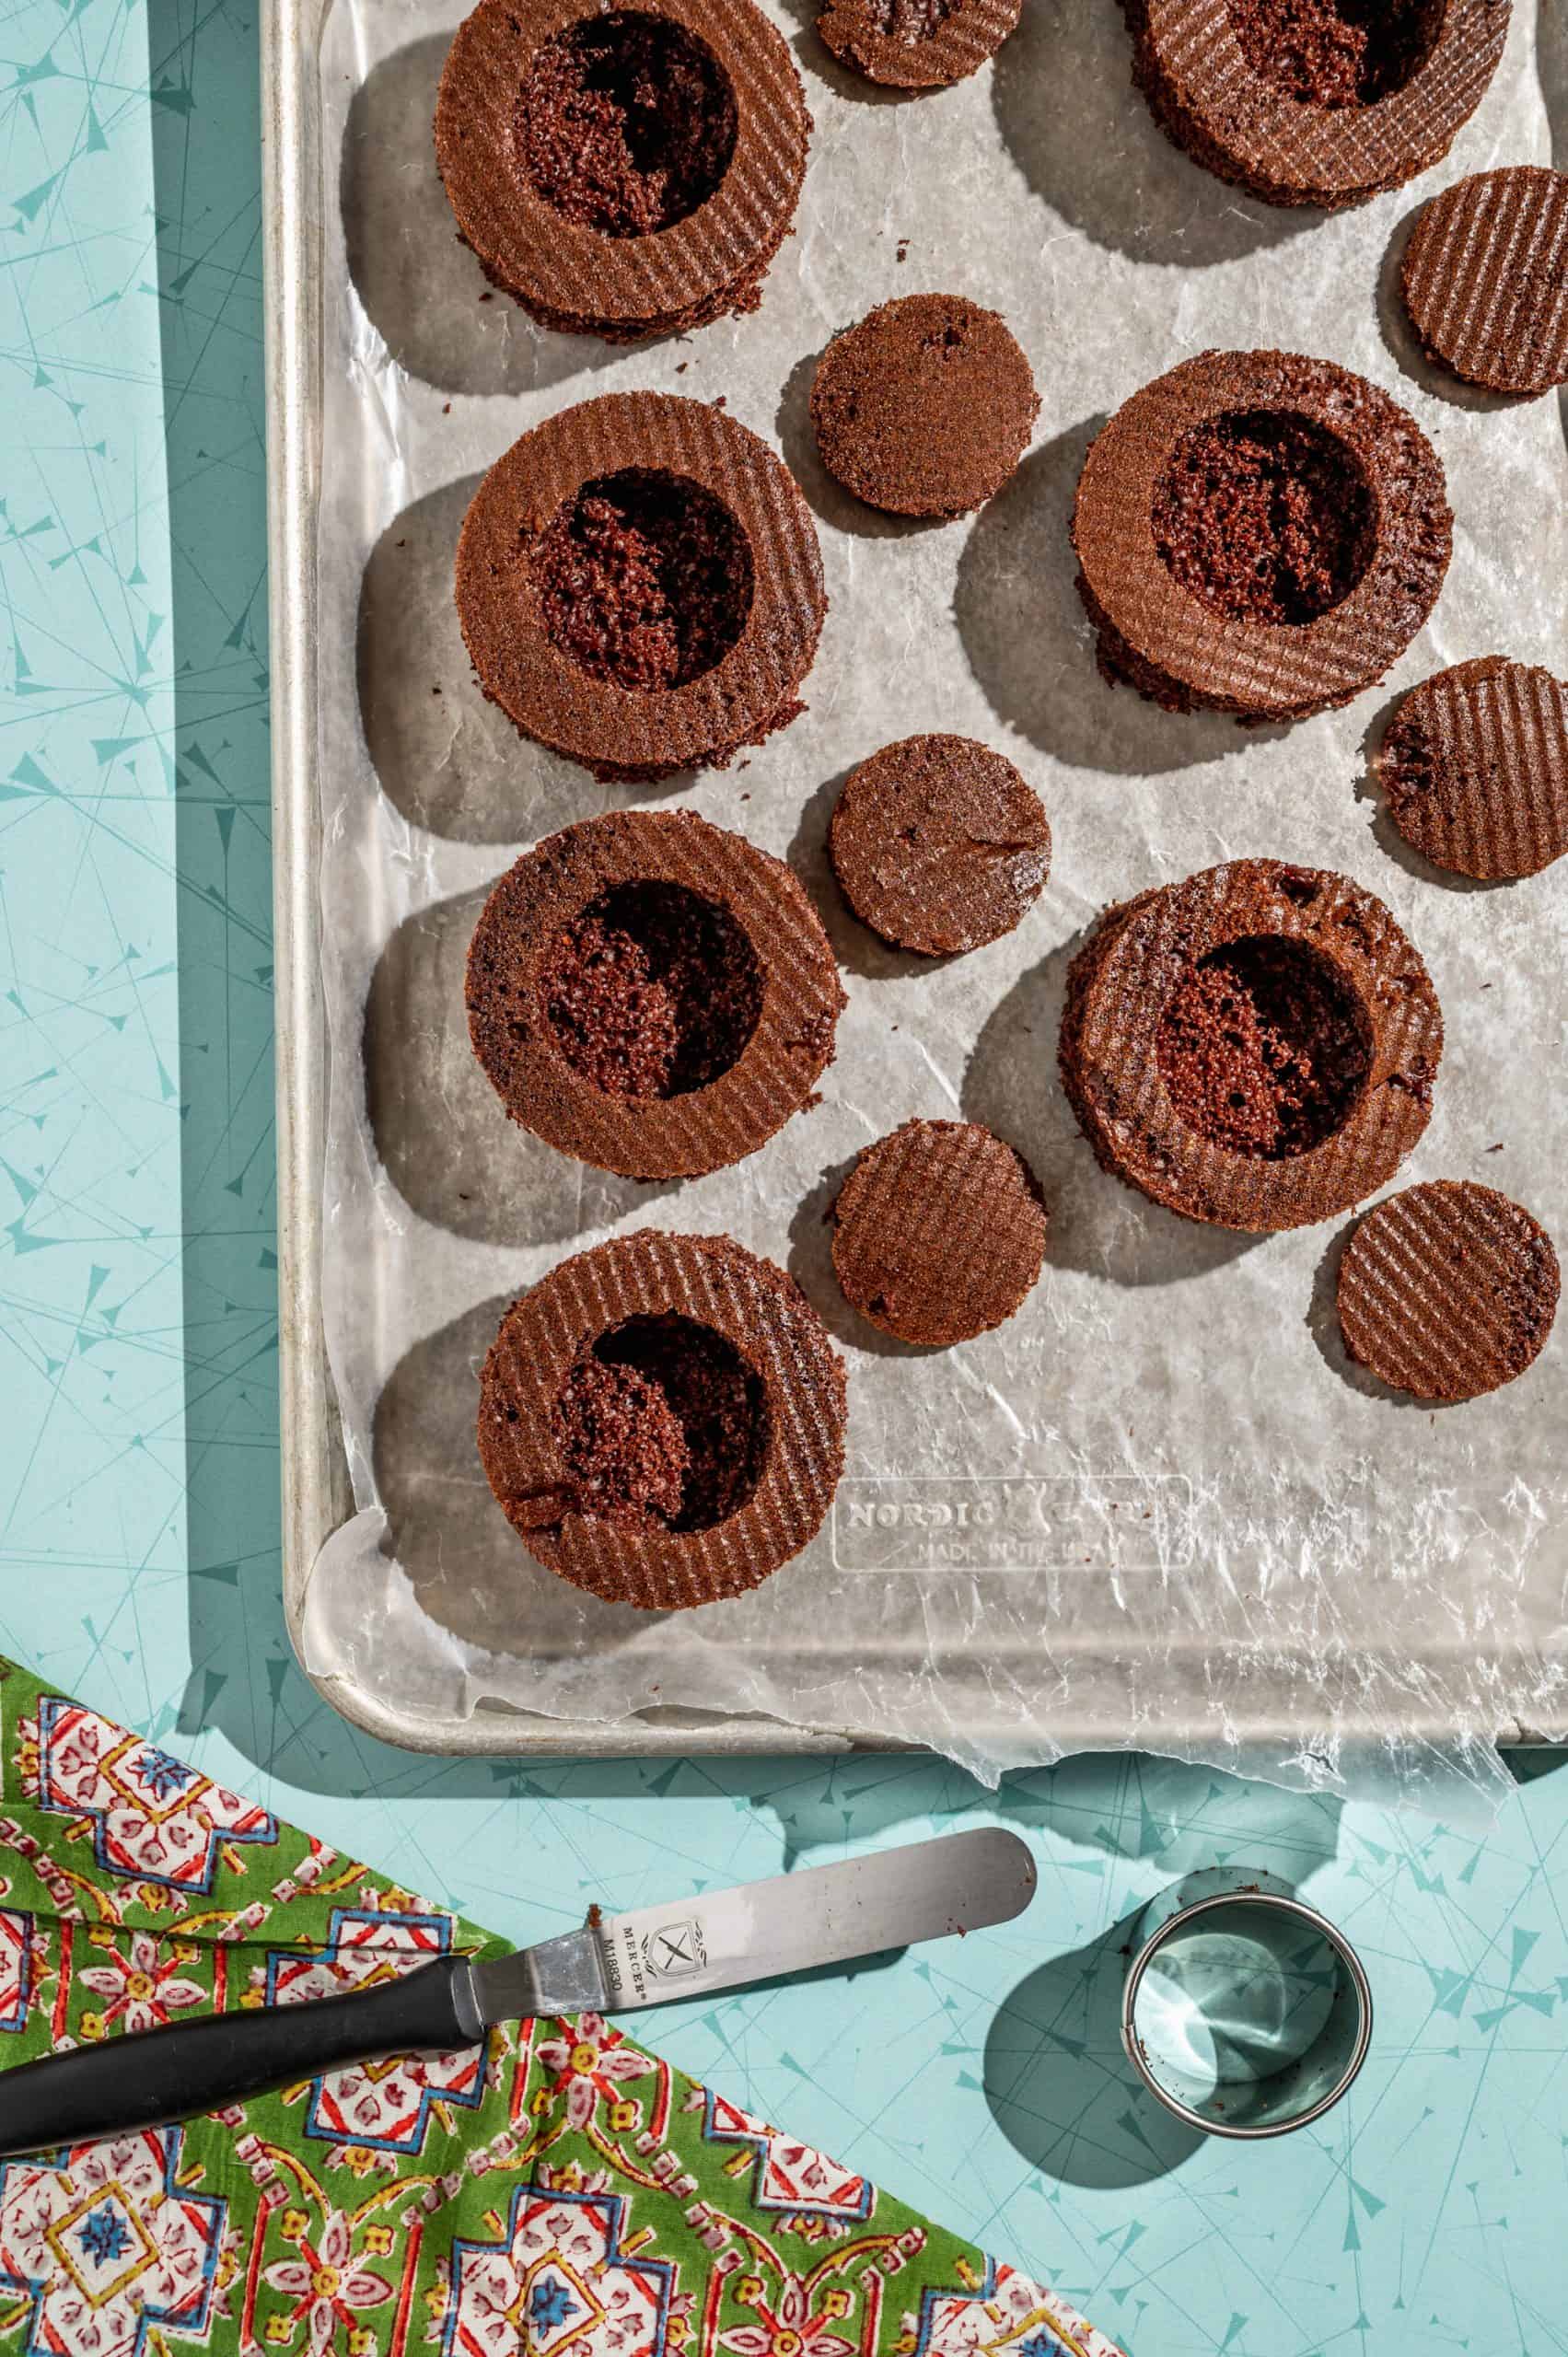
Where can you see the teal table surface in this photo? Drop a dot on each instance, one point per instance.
(140, 1436)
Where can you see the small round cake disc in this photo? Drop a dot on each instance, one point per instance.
(916, 44)
(1485, 279)
(925, 407)
(1475, 766)
(938, 1232)
(1447, 1290)
(939, 844)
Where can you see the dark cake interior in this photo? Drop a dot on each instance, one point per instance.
(644, 578)
(1265, 517)
(652, 990)
(1264, 1047)
(661, 1420)
(626, 123)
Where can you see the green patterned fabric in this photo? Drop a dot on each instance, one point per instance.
(562, 2191)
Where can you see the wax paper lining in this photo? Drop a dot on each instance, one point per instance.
(1159, 1508)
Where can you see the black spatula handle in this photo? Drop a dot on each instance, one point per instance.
(160, 2076)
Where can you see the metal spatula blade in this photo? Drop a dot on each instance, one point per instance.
(925, 1890)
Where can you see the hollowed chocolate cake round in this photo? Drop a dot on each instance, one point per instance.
(1321, 102)
(1448, 1291)
(916, 44)
(662, 1420)
(640, 586)
(625, 173)
(652, 994)
(1260, 534)
(1254, 1047)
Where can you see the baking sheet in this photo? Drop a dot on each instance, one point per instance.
(1157, 1508)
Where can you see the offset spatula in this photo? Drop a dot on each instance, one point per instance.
(923, 1891)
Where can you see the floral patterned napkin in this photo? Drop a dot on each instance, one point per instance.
(563, 2191)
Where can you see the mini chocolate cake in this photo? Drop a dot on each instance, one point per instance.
(1321, 102)
(1475, 766)
(938, 844)
(1260, 534)
(916, 44)
(662, 1420)
(938, 1232)
(1254, 1047)
(925, 408)
(1485, 279)
(1447, 1290)
(652, 994)
(640, 586)
(625, 173)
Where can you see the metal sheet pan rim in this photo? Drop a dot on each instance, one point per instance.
(315, 1496)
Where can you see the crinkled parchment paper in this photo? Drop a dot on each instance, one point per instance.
(1157, 1508)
